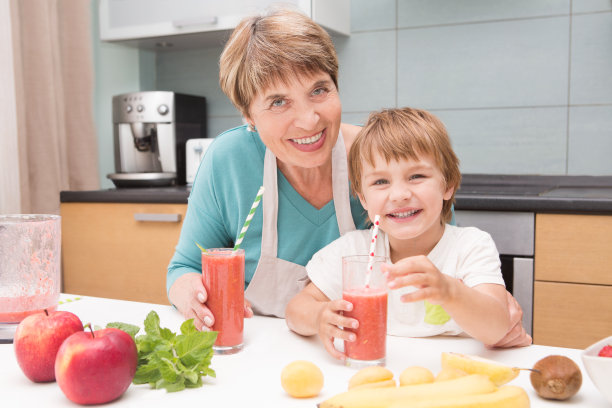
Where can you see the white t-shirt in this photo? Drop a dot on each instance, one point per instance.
(465, 253)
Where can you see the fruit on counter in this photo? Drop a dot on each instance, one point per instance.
(94, 367)
(302, 379)
(498, 373)
(373, 376)
(377, 384)
(415, 375)
(508, 396)
(384, 397)
(556, 377)
(606, 351)
(38, 338)
(449, 373)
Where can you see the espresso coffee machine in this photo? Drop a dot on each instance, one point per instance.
(150, 132)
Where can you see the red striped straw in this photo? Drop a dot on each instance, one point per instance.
(372, 248)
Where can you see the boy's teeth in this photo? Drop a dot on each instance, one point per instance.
(308, 140)
(404, 214)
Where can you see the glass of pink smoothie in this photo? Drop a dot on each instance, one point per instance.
(223, 278)
(369, 299)
(30, 246)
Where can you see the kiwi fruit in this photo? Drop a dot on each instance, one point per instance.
(556, 377)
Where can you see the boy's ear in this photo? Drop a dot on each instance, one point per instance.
(363, 201)
(448, 193)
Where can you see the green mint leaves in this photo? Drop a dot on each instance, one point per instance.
(171, 361)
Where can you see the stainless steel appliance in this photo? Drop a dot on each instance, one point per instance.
(194, 154)
(150, 131)
(514, 236)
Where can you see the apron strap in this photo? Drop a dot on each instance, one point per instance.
(269, 236)
(340, 185)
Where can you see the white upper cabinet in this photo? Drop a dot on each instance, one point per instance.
(182, 24)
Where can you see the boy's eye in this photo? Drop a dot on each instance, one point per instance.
(416, 176)
(380, 181)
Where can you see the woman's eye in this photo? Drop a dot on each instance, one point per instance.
(319, 91)
(278, 103)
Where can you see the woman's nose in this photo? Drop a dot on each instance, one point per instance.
(306, 116)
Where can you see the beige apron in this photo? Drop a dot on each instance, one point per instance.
(275, 280)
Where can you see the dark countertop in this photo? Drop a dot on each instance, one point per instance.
(548, 194)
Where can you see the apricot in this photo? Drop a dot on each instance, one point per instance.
(416, 375)
(302, 379)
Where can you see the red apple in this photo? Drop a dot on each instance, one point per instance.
(37, 339)
(96, 367)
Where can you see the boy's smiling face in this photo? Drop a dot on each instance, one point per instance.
(408, 195)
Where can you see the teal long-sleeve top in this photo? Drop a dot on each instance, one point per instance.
(225, 186)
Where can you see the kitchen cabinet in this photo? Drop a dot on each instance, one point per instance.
(119, 250)
(182, 24)
(573, 279)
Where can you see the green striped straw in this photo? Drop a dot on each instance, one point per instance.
(249, 218)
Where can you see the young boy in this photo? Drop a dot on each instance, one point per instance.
(443, 279)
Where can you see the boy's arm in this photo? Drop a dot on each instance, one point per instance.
(303, 310)
(481, 311)
(311, 312)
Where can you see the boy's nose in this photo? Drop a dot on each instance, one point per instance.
(400, 192)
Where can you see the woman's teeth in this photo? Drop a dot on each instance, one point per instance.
(308, 140)
(404, 214)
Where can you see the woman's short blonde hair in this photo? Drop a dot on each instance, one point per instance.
(266, 49)
(405, 133)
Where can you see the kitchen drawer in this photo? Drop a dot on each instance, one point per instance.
(571, 315)
(119, 251)
(512, 231)
(573, 248)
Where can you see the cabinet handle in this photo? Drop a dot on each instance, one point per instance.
(152, 217)
(195, 21)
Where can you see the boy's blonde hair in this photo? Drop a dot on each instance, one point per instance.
(264, 50)
(405, 133)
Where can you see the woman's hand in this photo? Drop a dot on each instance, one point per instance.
(330, 322)
(189, 296)
(248, 312)
(516, 336)
(421, 273)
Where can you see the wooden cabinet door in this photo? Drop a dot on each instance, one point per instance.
(108, 252)
(571, 315)
(574, 248)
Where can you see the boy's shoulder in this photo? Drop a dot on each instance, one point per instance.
(466, 233)
(356, 239)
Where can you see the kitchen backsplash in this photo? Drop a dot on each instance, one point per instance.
(524, 87)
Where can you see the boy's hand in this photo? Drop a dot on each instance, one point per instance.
(330, 322)
(421, 273)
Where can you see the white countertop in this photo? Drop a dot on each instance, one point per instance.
(252, 377)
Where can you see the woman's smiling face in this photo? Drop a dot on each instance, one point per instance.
(407, 194)
(299, 120)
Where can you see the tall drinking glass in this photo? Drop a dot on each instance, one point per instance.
(30, 246)
(369, 298)
(223, 278)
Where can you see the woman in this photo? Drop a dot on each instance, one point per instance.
(281, 72)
